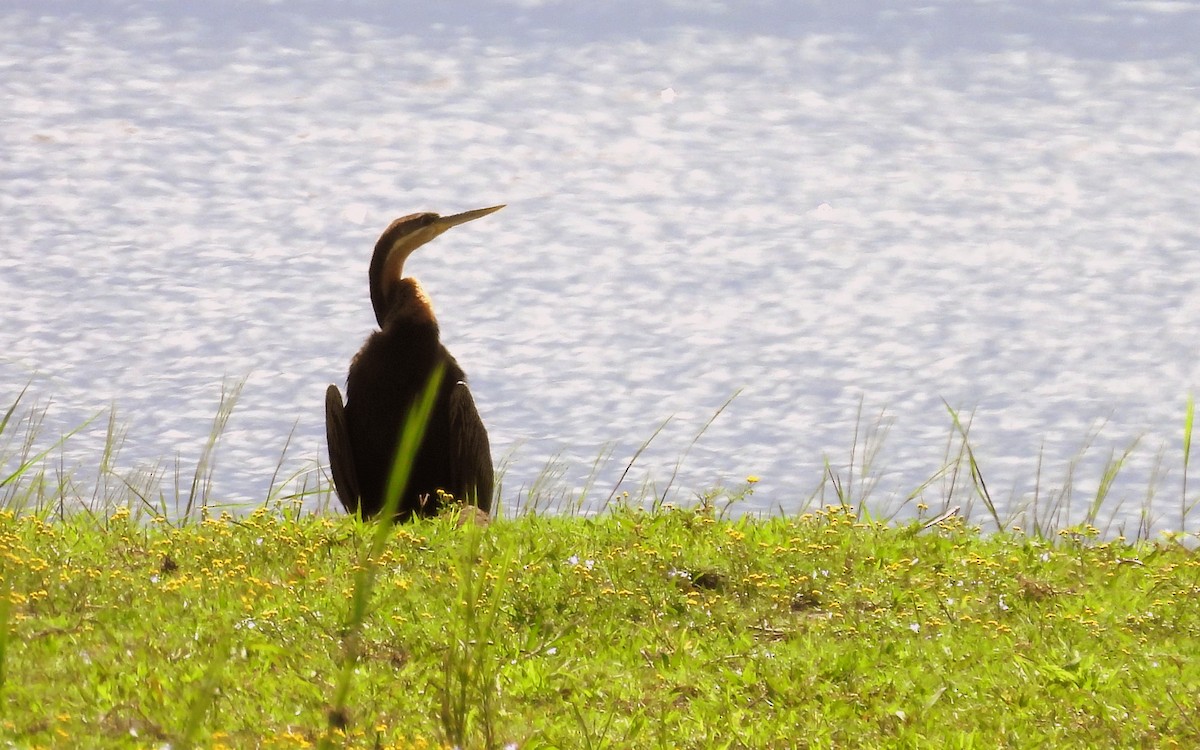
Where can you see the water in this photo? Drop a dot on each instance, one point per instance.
(814, 207)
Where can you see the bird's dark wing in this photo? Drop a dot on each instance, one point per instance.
(341, 454)
(471, 457)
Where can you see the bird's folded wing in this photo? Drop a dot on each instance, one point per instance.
(341, 454)
(472, 459)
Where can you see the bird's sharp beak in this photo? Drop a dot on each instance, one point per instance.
(445, 222)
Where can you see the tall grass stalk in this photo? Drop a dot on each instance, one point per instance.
(633, 459)
(467, 692)
(273, 489)
(114, 440)
(201, 487)
(1035, 528)
(141, 484)
(865, 444)
(1145, 517)
(594, 735)
(410, 441)
(1064, 501)
(5, 634)
(16, 497)
(1112, 467)
(976, 473)
(1188, 420)
(501, 471)
(590, 482)
(872, 440)
(539, 496)
(136, 487)
(683, 457)
(278, 489)
(204, 692)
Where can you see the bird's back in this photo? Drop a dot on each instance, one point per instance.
(387, 376)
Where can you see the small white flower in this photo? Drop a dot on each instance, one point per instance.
(915, 627)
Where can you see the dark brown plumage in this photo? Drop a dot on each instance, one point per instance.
(388, 374)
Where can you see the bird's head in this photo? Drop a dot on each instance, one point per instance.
(399, 240)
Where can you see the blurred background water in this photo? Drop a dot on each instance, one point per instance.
(847, 214)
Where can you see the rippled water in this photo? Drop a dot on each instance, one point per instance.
(813, 207)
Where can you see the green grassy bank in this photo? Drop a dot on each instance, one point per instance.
(667, 628)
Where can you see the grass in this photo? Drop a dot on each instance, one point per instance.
(669, 628)
(655, 626)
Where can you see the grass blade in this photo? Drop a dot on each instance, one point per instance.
(633, 460)
(202, 478)
(406, 452)
(976, 474)
(682, 458)
(1188, 421)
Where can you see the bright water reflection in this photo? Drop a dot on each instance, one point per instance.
(992, 205)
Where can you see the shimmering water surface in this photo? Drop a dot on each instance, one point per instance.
(816, 205)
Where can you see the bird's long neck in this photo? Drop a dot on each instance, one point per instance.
(407, 304)
(387, 271)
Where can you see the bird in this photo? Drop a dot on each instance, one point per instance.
(388, 376)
